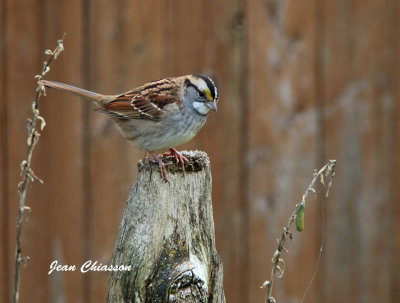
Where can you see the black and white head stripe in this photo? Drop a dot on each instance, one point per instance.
(204, 85)
(211, 86)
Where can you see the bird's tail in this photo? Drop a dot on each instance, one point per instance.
(97, 98)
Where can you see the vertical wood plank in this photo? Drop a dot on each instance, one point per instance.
(107, 150)
(282, 142)
(125, 52)
(225, 58)
(23, 49)
(360, 97)
(395, 190)
(4, 258)
(60, 155)
(206, 37)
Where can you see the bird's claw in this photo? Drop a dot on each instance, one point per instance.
(178, 157)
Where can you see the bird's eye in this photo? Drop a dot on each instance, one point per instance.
(202, 94)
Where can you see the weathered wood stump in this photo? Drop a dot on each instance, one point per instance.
(167, 237)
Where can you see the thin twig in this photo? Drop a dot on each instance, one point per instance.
(278, 268)
(28, 176)
(319, 255)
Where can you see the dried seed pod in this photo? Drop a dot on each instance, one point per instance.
(300, 217)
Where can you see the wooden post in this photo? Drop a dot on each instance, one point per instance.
(167, 237)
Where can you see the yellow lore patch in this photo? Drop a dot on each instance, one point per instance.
(208, 94)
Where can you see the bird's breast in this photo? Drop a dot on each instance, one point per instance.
(161, 134)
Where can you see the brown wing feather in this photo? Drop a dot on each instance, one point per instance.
(146, 101)
(137, 106)
(120, 108)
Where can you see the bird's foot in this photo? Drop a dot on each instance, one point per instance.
(161, 165)
(178, 157)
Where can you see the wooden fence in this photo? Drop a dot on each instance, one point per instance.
(301, 82)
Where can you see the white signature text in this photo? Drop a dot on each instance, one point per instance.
(88, 266)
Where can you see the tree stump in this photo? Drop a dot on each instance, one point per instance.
(167, 237)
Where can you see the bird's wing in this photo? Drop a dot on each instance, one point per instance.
(137, 106)
(145, 102)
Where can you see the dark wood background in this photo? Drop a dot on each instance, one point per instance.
(301, 82)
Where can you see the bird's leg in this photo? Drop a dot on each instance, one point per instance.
(179, 158)
(161, 165)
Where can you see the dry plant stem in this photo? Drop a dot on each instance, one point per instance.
(327, 171)
(26, 171)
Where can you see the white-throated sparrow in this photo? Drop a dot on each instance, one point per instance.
(158, 115)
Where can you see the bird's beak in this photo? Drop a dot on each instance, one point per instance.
(212, 105)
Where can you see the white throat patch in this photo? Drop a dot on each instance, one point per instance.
(201, 108)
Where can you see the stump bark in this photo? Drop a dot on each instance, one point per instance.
(167, 237)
